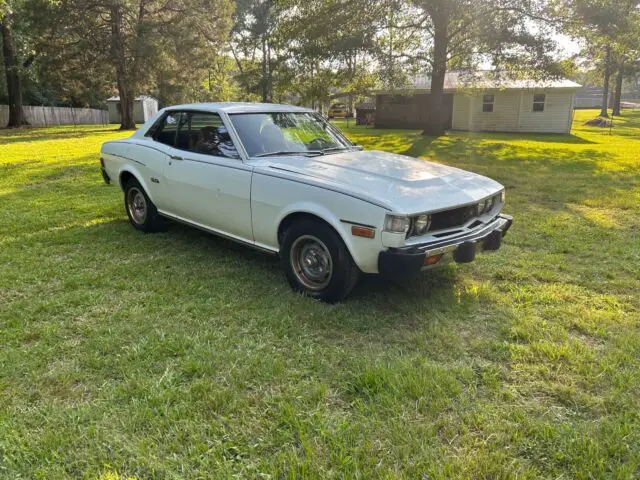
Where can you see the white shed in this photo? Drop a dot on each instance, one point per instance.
(143, 108)
(481, 102)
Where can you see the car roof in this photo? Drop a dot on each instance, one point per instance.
(239, 107)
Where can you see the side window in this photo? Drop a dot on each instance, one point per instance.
(538, 102)
(487, 103)
(182, 139)
(166, 132)
(206, 134)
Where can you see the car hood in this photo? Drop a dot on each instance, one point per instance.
(397, 182)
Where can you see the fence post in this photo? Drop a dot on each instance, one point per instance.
(44, 115)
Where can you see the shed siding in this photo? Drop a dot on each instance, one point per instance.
(468, 114)
(513, 112)
(554, 118)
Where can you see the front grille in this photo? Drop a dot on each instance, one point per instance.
(452, 218)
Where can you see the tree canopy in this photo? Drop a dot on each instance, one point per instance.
(79, 52)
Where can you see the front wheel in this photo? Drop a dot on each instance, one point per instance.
(316, 261)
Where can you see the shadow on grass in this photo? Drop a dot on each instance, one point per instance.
(183, 260)
(38, 134)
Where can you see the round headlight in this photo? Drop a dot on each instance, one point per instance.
(421, 225)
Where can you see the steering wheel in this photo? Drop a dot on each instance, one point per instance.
(318, 143)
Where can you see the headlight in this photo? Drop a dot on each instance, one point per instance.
(394, 223)
(421, 224)
(480, 208)
(503, 196)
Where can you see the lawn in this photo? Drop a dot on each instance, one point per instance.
(181, 355)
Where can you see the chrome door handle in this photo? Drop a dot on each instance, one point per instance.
(176, 157)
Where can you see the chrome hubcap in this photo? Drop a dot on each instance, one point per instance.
(137, 205)
(311, 262)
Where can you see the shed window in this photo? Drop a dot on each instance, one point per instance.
(538, 102)
(487, 103)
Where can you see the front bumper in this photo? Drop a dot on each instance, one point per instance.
(401, 262)
(105, 176)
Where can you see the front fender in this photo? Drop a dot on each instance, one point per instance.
(364, 251)
(318, 211)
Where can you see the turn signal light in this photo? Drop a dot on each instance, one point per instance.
(365, 232)
(432, 260)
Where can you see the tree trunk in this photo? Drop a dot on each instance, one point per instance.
(352, 69)
(127, 120)
(617, 95)
(434, 124)
(269, 74)
(14, 82)
(265, 86)
(605, 89)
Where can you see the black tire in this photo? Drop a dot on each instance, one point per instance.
(141, 211)
(310, 241)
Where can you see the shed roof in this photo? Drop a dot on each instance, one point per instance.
(138, 98)
(486, 80)
(240, 107)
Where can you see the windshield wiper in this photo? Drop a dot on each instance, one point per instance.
(335, 149)
(287, 152)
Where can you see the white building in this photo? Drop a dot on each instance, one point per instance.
(480, 102)
(143, 108)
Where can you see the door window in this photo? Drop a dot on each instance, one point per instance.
(204, 133)
(166, 131)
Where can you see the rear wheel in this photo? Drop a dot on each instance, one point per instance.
(316, 261)
(141, 211)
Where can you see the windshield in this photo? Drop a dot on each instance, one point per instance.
(287, 133)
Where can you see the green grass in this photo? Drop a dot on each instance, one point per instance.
(181, 355)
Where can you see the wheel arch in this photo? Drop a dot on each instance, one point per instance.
(127, 173)
(316, 213)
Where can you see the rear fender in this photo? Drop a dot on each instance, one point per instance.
(131, 169)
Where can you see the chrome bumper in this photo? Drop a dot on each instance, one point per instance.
(400, 262)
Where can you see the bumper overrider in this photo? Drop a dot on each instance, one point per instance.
(401, 262)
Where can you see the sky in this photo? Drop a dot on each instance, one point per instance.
(566, 45)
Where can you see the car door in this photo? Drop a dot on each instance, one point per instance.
(207, 182)
(152, 154)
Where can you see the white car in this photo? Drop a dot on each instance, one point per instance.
(283, 180)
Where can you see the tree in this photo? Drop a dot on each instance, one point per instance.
(627, 50)
(336, 58)
(148, 45)
(12, 67)
(254, 44)
(601, 24)
(466, 33)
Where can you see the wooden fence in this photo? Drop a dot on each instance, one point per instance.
(45, 116)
